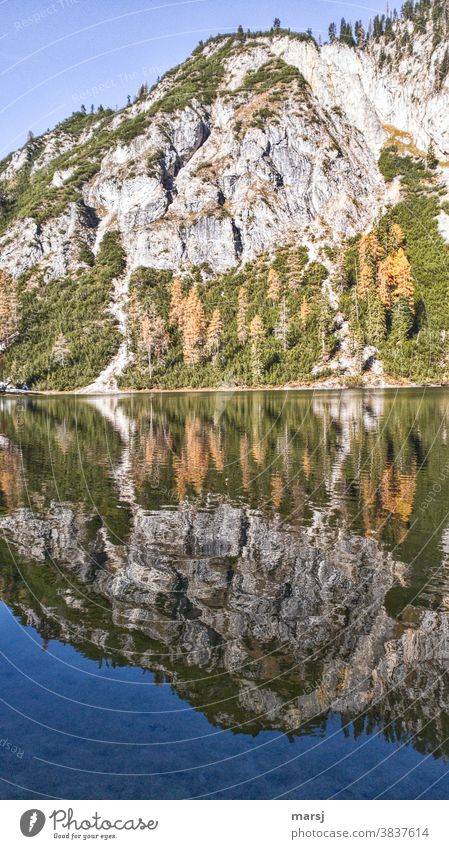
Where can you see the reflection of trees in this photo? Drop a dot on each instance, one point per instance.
(11, 484)
(232, 595)
(355, 456)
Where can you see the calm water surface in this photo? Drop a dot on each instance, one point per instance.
(225, 596)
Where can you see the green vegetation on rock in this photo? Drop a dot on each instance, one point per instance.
(66, 336)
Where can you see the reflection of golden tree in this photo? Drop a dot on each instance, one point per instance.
(64, 437)
(398, 491)
(277, 490)
(192, 464)
(151, 453)
(244, 462)
(306, 464)
(216, 449)
(372, 517)
(10, 477)
(258, 447)
(180, 477)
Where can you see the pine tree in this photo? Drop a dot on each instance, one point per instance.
(332, 32)
(357, 330)
(396, 237)
(346, 36)
(193, 328)
(153, 338)
(403, 280)
(359, 32)
(214, 331)
(443, 70)
(431, 159)
(8, 309)
(375, 319)
(402, 320)
(256, 332)
(370, 252)
(176, 303)
(281, 329)
(326, 326)
(61, 350)
(242, 330)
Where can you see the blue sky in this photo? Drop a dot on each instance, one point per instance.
(57, 54)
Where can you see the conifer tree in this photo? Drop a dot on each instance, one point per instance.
(193, 328)
(154, 339)
(242, 330)
(375, 319)
(256, 332)
(61, 350)
(8, 309)
(304, 313)
(281, 329)
(176, 303)
(395, 280)
(274, 286)
(214, 331)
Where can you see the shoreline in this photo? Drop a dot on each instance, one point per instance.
(316, 386)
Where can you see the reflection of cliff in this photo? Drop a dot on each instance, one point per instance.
(257, 623)
(218, 542)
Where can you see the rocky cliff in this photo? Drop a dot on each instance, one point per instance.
(255, 142)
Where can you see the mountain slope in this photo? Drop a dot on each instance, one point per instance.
(258, 142)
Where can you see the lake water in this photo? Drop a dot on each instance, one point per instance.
(214, 595)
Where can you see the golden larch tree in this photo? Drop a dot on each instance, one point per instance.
(274, 286)
(395, 279)
(193, 328)
(176, 303)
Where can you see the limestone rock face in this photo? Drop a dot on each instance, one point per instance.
(282, 150)
(217, 183)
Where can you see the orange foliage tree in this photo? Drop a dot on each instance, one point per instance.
(274, 286)
(193, 328)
